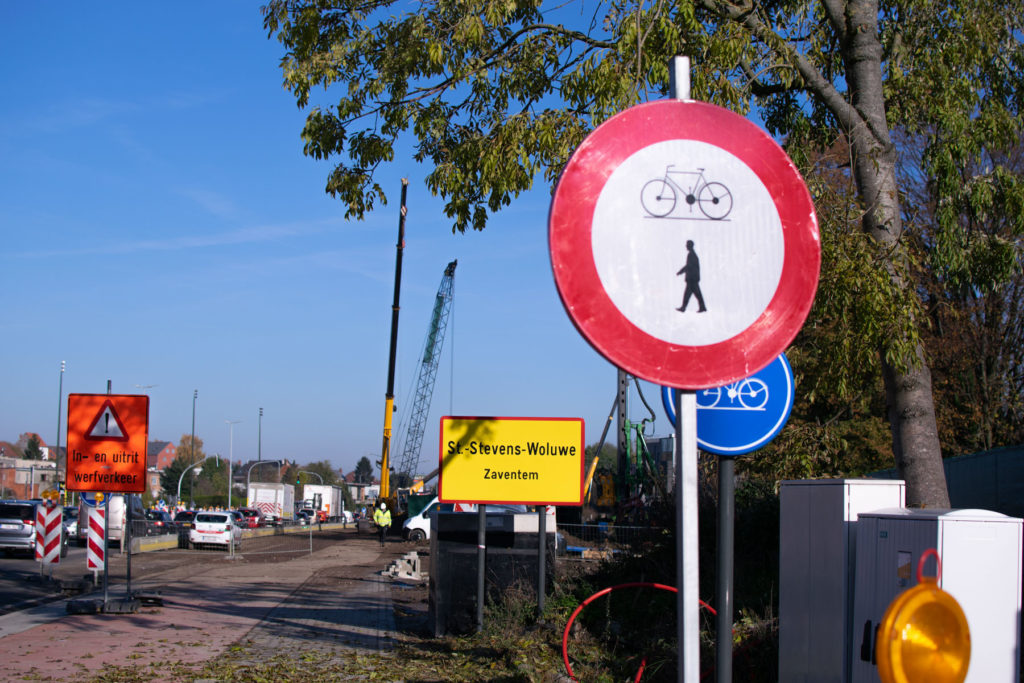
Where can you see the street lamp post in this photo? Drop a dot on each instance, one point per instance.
(192, 445)
(200, 469)
(248, 474)
(231, 454)
(60, 400)
(314, 473)
(259, 439)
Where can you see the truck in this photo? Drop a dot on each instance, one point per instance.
(276, 502)
(326, 500)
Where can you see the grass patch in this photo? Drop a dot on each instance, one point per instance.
(611, 640)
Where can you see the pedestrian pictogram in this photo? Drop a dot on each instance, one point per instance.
(107, 440)
(691, 273)
(107, 426)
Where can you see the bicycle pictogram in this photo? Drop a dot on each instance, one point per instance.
(660, 196)
(750, 394)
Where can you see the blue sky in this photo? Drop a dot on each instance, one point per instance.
(162, 230)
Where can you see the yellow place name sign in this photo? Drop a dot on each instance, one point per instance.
(528, 460)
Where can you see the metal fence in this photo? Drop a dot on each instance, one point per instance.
(287, 538)
(594, 541)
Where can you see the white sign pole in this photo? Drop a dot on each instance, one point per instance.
(687, 559)
(679, 78)
(691, 568)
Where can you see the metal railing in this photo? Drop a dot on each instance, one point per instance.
(599, 539)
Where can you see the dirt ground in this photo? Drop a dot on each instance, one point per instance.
(410, 598)
(217, 612)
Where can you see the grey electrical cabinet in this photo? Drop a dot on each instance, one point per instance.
(980, 553)
(817, 550)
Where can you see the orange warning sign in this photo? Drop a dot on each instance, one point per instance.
(107, 439)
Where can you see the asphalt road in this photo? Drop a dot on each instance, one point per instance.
(21, 586)
(276, 596)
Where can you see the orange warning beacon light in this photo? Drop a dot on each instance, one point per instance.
(924, 635)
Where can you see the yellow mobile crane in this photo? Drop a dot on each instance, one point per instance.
(389, 396)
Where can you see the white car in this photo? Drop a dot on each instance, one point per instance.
(214, 528)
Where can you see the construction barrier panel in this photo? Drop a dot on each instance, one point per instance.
(49, 519)
(95, 546)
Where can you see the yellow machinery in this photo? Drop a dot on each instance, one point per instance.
(389, 396)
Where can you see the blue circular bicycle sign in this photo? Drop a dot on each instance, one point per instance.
(742, 416)
(89, 498)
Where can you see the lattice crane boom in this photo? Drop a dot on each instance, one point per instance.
(409, 460)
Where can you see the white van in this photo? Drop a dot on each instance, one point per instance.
(115, 508)
(417, 527)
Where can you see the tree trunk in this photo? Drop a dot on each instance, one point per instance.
(915, 438)
(911, 406)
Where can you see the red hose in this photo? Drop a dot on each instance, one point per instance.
(605, 591)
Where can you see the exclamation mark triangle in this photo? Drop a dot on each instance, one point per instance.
(107, 425)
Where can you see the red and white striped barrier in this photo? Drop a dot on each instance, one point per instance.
(49, 518)
(95, 547)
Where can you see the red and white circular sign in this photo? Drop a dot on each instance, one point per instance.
(684, 244)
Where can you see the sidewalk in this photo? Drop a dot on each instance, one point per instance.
(273, 607)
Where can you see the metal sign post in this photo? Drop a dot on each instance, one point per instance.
(126, 541)
(542, 550)
(481, 560)
(651, 215)
(724, 580)
(106, 549)
(732, 420)
(687, 546)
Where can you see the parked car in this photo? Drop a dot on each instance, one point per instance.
(214, 528)
(70, 522)
(183, 518)
(18, 528)
(304, 515)
(253, 518)
(159, 522)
